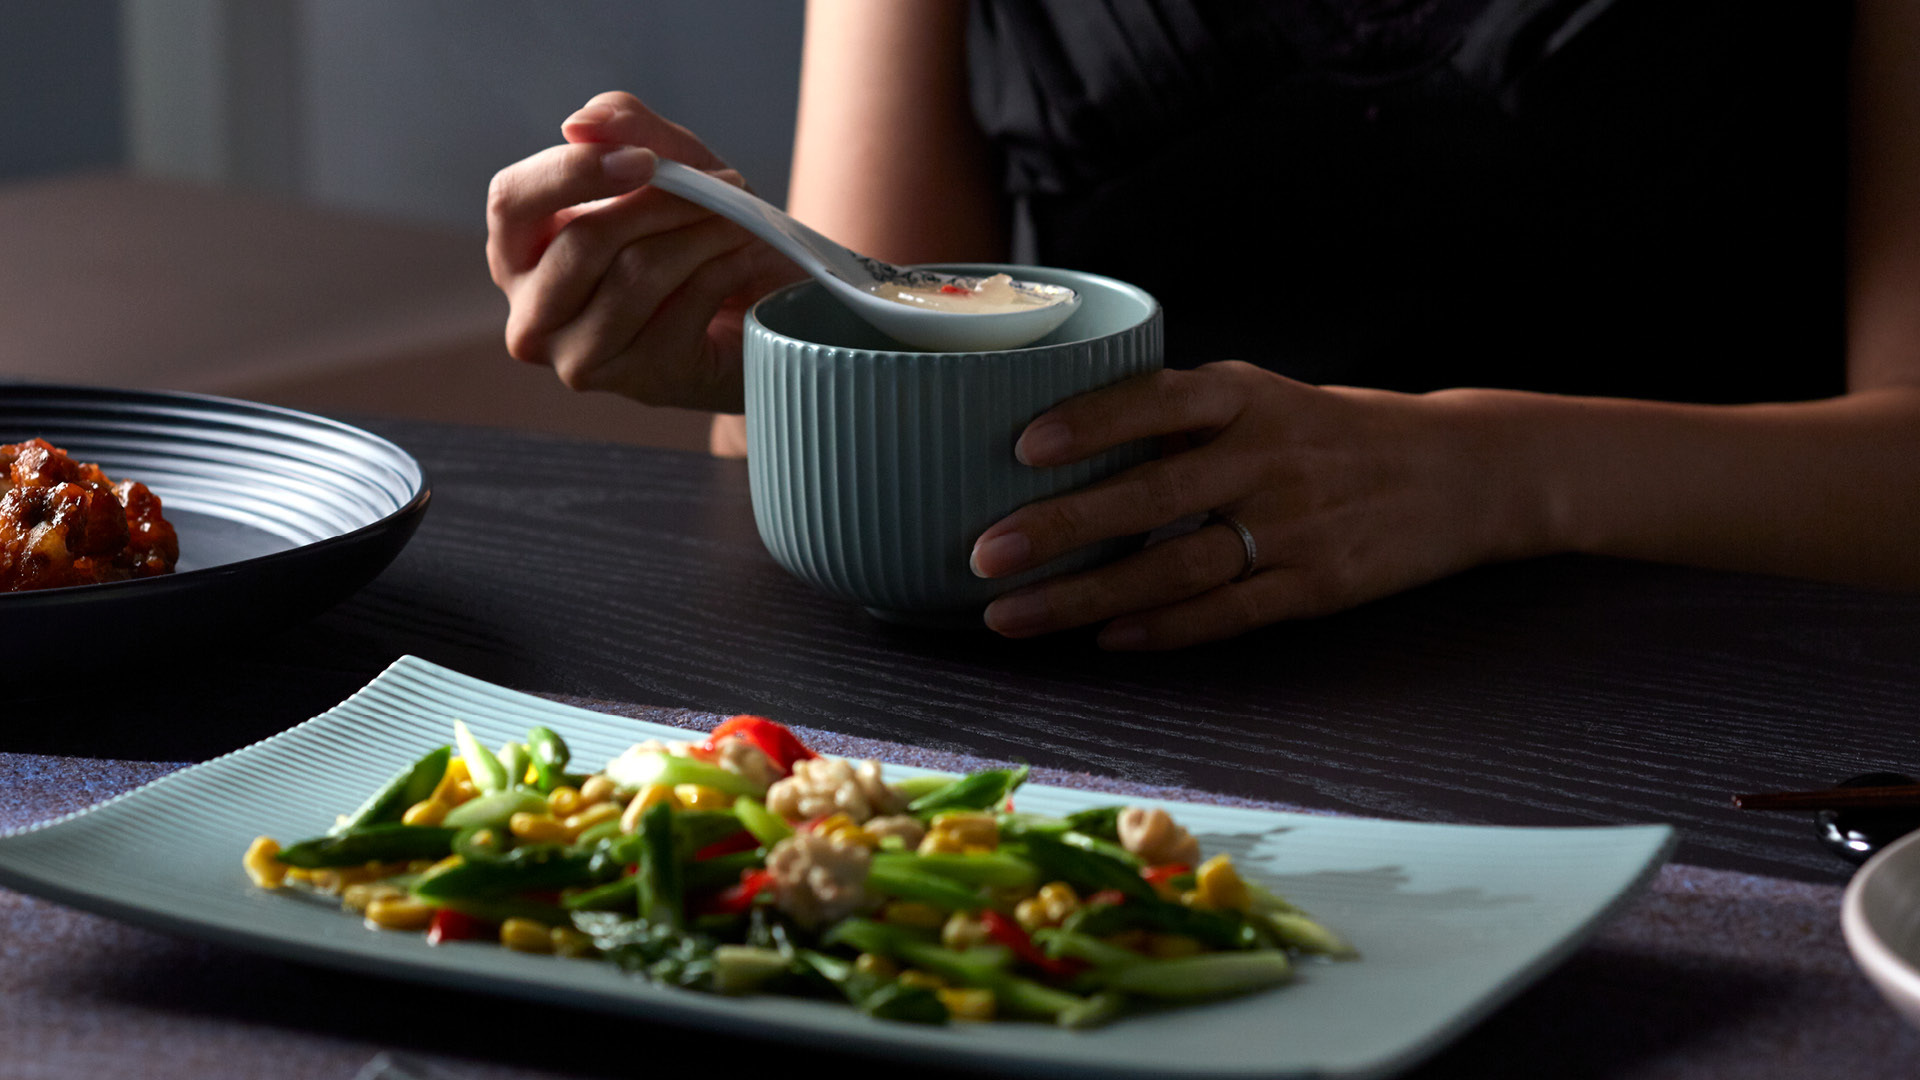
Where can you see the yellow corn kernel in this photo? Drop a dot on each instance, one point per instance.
(1219, 885)
(921, 980)
(537, 828)
(966, 1002)
(586, 819)
(464, 791)
(913, 913)
(419, 866)
(357, 897)
(1052, 905)
(854, 835)
(399, 913)
(701, 797)
(1031, 914)
(874, 964)
(300, 875)
(526, 935)
(826, 825)
(451, 780)
(447, 863)
(939, 843)
(1172, 946)
(963, 931)
(262, 863)
(969, 827)
(595, 789)
(563, 800)
(1059, 894)
(327, 880)
(977, 849)
(645, 800)
(566, 941)
(531, 776)
(425, 812)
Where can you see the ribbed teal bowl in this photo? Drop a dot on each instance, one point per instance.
(874, 469)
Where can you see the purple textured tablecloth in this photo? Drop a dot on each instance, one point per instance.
(1709, 974)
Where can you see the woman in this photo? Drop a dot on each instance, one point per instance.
(1324, 496)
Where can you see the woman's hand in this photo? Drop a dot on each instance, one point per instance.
(1349, 495)
(615, 285)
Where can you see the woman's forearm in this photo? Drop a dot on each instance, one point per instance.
(887, 158)
(1825, 489)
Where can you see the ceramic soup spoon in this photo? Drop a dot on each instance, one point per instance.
(922, 308)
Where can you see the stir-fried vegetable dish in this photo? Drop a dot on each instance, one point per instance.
(747, 863)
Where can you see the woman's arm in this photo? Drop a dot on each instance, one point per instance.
(887, 158)
(1354, 494)
(1825, 489)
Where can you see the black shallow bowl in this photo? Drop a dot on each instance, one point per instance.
(281, 515)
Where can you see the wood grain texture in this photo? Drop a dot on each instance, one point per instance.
(1556, 692)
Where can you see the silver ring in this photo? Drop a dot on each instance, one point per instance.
(1246, 541)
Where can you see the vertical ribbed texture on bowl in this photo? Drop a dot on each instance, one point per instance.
(873, 472)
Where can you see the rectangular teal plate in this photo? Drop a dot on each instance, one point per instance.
(1450, 920)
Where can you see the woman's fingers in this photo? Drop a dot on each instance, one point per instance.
(619, 117)
(525, 197)
(1148, 496)
(684, 325)
(618, 285)
(1162, 403)
(577, 261)
(1166, 573)
(645, 280)
(1137, 501)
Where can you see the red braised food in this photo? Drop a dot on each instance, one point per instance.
(64, 522)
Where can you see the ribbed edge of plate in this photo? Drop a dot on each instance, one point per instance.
(292, 474)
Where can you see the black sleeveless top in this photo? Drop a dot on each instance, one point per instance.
(1625, 197)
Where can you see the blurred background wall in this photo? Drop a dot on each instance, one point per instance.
(341, 115)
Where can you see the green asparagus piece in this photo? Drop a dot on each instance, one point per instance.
(1206, 975)
(524, 869)
(984, 790)
(485, 769)
(374, 843)
(408, 786)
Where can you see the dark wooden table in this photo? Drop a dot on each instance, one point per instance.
(1558, 692)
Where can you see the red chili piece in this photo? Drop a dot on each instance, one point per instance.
(954, 289)
(1014, 936)
(450, 925)
(735, 899)
(773, 740)
(1158, 876)
(1108, 896)
(727, 845)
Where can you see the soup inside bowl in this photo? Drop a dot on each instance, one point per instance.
(874, 467)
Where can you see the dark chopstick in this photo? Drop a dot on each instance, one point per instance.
(1851, 798)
